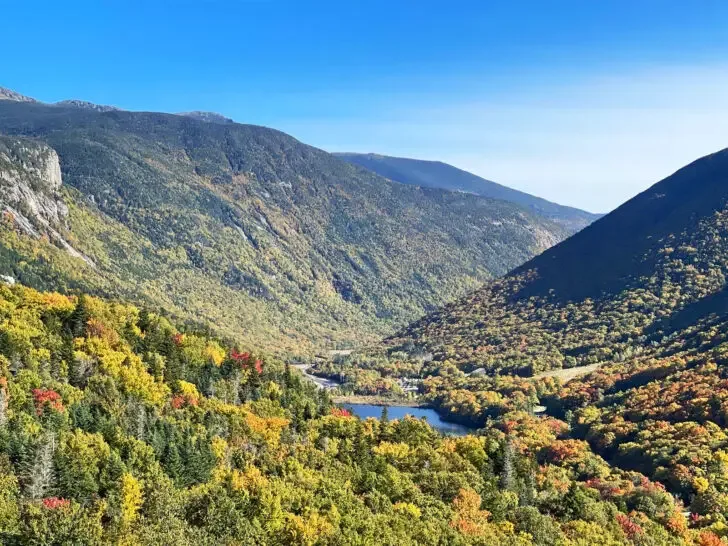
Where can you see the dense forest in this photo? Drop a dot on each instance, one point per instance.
(167, 411)
(435, 174)
(245, 228)
(116, 427)
(620, 333)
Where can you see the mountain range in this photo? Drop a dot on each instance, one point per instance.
(241, 227)
(435, 174)
(654, 264)
(596, 371)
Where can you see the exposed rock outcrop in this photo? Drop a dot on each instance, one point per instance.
(30, 183)
(85, 105)
(210, 117)
(9, 94)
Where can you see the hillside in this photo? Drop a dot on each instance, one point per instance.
(246, 229)
(656, 263)
(639, 297)
(435, 174)
(118, 428)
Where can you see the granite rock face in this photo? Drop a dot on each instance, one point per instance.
(9, 94)
(30, 190)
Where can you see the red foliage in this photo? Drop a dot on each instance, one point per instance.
(566, 450)
(239, 357)
(606, 490)
(340, 412)
(47, 398)
(178, 339)
(509, 426)
(629, 527)
(53, 503)
(245, 359)
(179, 401)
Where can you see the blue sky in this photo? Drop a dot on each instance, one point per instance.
(585, 103)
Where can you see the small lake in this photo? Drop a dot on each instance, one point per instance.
(398, 412)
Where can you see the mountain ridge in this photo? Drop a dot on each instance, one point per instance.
(601, 291)
(186, 213)
(438, 174)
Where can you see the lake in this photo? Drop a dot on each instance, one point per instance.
(398, 412)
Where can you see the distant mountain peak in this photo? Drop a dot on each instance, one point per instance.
(86, 105)
(9, 94)
(436, 174)
(210, 117)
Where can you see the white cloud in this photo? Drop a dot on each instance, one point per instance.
(592, 143)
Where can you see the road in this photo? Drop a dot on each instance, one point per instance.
(321, 382)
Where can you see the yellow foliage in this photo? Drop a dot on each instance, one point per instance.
(307, 531)
(187, 389)
(127, 368)
(131, 498)
(267, 428)
(397, 451)
(251, 480)
(701, 484)
(215, 353)
(219, 448)
(407, 509)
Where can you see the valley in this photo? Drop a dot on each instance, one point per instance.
(198, 318)
(246, 230)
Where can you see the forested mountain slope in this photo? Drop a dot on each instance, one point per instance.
(117, 428)
(250, 230)
(435, 174)
(656, 263)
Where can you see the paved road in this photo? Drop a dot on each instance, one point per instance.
(321, 382)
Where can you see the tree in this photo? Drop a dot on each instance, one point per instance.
(508, 472)
(78, 319)
(41, 475)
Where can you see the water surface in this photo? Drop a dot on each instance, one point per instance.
(398, 412)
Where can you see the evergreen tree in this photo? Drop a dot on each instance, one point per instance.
(3, 406)
(69, 357)
(41, 475)
(508, 471)
(78, 319)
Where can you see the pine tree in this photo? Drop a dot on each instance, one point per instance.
(144, 321)
(527, 495)
(78, 319)
(41, 475)
(384, 418)
(508, 472)
(69, 357)
(3, 406)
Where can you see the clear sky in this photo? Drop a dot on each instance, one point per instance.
(582, 102)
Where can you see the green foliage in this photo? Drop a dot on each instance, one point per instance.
(272, 242)
(434, 174)
(181, 438)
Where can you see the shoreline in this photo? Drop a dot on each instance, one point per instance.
(373, 400)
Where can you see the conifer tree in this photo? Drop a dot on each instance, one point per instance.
(41, 476)
(78, 319)
(508, 472)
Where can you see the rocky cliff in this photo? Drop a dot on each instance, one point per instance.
(30, 196)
